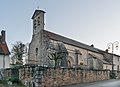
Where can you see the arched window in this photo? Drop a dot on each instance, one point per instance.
(70, 61)
(34, 24)
(77, 57)
(38, 22)
(69, 64)
(36, 52)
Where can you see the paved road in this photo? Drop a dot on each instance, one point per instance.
(108, 83)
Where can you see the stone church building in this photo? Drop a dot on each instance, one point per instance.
(74, 53)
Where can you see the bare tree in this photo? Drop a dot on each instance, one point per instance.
(18, 51)
(55, 56)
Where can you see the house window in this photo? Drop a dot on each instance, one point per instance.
(36, 52)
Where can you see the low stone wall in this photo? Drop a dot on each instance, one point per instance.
(6, 74)
(57, 77)
(54, 77)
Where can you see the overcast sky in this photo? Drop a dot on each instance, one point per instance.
(88, 21)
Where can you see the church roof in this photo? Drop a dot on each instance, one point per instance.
(69, 41)
(103, 60)
(37, 12)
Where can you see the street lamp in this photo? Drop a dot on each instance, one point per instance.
(113, 46)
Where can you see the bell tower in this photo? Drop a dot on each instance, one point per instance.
(38, 21)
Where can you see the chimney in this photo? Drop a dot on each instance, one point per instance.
(92, 45)
(3, 36)
(106, 50)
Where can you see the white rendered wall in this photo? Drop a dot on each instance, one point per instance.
(116, 62)
(106, 66)
(7, 61)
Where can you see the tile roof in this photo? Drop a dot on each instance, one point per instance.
(4, 49)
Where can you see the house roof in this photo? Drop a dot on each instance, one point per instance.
(4, 49)
(69, 41)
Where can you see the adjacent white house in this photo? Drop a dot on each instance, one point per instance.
(4, 52)
(116, 62)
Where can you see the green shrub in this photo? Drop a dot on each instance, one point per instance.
(14, 80)
(3, 81)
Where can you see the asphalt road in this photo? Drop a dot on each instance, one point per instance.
(107, 83)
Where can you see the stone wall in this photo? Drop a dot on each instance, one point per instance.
(57, 77)
(7, 73)
(54, 77)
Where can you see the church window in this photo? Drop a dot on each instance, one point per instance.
(35, 27)
(38, 22)
(36, 52)
(69, 63)
(34, 24)
(76, 58)
(34, 20)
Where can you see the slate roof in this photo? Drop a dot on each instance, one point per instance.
(69, 41)
(4, 49)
